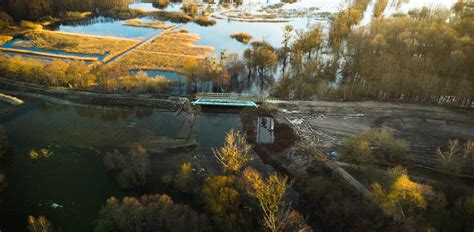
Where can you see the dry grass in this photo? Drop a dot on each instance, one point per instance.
(155, 61)
(28, 52)
(169, 51)
(4, 39)
(74, 15)
(155, 24)
(177, 43)
(81, 43)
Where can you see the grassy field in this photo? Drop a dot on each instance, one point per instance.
(27, 52)
(139, 23)
(169, 51)
(80, 43)
(155, 61)
(177, 43)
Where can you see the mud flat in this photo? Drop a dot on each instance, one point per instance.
(424, 127)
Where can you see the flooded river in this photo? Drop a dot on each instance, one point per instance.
(71, 186)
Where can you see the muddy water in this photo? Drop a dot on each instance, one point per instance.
(74, 177)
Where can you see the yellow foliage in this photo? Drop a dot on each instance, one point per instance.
(222, 199)
(270, 193)
(80, 43)
(403, 199)
(154, 24)
(4, 39)
(42, 153)
(234, 154)
(184, 179)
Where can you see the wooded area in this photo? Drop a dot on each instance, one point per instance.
(34, 9)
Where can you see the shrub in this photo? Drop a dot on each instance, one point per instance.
(374, 144)
(161, 4)
(150, 213)
(133, 168)
(205, 21)
(242, 37)
(30, 25)
(190, 8)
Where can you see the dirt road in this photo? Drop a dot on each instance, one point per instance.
(425, 128)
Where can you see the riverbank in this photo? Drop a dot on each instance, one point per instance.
(68, 96)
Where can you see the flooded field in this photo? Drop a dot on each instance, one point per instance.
(71, 185)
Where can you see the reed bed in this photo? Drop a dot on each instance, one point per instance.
(139, 23)
(139, 59)
(75, 43)
(177, 43)
(169, 51)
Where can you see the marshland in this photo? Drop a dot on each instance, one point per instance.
(364, 119)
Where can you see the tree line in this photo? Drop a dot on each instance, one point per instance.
(35, 9)
(79, 75)
(423, 57)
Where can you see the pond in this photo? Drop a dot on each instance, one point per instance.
(71, 186)
(104, 26)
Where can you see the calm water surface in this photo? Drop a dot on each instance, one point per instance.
(74, 176)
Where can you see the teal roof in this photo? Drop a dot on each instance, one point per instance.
(224, 102)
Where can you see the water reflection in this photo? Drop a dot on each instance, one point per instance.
(104, 26)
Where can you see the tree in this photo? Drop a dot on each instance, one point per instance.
(270, 194)
(223, 200)
(261, 56)
(190, 8)
(183, 181)
(133, 169)
(379, 7)
(193, 72)
(140, 165)
(234, 155)
(404, 198)
(309, 41)
(149, 213)
(40, 224)
(457, 156)
(285, 50)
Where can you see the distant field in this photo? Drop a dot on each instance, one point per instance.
(77, 43)
(139, 23)
(169, 51)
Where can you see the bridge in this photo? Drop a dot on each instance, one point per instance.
(228, 99)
